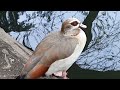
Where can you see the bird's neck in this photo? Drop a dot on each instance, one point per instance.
(81, 38)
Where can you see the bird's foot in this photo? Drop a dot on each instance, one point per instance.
(62, 74)
(21, 77)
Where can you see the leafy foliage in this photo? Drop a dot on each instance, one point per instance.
(9, 21)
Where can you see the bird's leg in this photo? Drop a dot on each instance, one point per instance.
(62, 74)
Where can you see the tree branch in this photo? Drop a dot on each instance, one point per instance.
(75, 70)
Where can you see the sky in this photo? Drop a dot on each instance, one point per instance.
(57, 27)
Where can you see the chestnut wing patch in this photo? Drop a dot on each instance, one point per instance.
(52, 48)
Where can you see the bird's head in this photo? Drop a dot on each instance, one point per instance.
(72, 27)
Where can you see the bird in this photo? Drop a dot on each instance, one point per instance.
(56, 53)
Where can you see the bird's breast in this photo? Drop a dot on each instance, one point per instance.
(65, 64)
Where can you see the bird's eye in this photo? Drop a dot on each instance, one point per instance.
(75, 23)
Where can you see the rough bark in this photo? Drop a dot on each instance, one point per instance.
(13, 56)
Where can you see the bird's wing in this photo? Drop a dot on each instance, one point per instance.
(50, 49)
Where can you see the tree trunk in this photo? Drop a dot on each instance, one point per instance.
(13, 56)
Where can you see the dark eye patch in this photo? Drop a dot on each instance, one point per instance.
(75, 23)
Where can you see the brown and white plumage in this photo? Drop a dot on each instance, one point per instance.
(57, 51)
